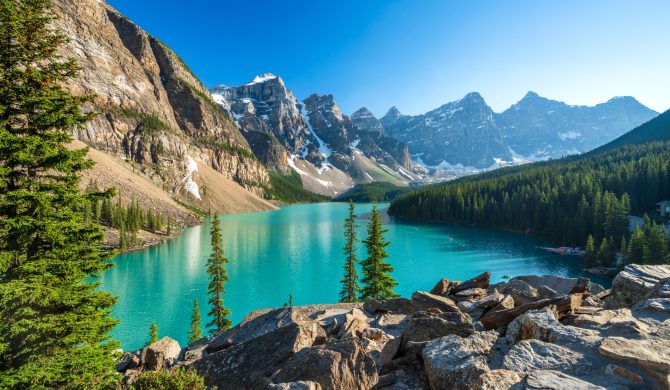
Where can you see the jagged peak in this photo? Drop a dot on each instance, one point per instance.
(261, 78)
(393, 111)
(362, 112)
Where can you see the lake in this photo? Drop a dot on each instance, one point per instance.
(298, 250)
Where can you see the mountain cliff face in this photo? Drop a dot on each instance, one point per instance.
(469, 133)
(153, 112)
(331, 151)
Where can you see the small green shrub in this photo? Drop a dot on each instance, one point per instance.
(178, 379)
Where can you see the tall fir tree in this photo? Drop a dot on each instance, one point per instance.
(216, 268)
(378, 283)
(591, 253)
(350, 288)
(195, 333)
(55, 325)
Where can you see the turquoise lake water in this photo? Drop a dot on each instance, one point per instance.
(298, 250)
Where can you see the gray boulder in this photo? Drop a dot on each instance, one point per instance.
(634, 283)
(426, 326)
(257, 324)
(531, 355)
(342, 365)
(454, 362)
(248, 364)
(161, 354)
(651, 355)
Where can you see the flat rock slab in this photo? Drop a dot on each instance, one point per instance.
(651, 354)
(532, 355)
(429, 301)
(555, 380)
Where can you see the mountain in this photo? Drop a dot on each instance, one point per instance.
(468, 133)
(461, 132)
(330, 151)
(563, 200)
(155, 120)
(657, 129)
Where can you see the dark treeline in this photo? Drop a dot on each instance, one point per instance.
(563, 201)
(128, 217)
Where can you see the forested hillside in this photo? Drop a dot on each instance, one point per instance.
(564, 200)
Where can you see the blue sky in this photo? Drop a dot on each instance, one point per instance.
(417, 55)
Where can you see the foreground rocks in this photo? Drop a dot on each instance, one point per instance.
(531, 332)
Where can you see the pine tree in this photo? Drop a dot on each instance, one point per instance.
(623, 250)
(216, 268)
(591, 254)
(350, 287)
(153, 333)
(195, 333)
(635, 250)
(378, 283)
(54, 321)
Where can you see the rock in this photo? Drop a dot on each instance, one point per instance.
(660, 290)
(255, 325)
(564, 306)
(481, 281)
(581, 286)
(355, 322)
(613, 369)
(544, 292)
(343, 365)
(554, 380)
(325, 318)
(561, 285)
(426, 326)
(196, 350)
(392, 324)
(441, 288)
(453, 362)
(655, 304)
(489, 301)
(396, 305)
(506, 303)
(612, 322)
(530, 355)
(299, 385)
(381, 346)
(651, 354)
(471, 293)
(534, 324)
(161, 354)
(246, 365)
(521, 292)
(634, 283)
(587, 310)
(427, 301)
(499, 379)
(127, 361)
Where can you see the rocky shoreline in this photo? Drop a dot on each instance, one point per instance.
(531, 332)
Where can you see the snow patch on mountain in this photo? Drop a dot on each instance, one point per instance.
(189, 184)
(262, 78)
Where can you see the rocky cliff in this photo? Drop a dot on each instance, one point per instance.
(531, 332)
(154, 115)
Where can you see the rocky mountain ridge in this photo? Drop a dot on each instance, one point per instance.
(330, 150)
(153, 115)
(468, 133)
(530, 332)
